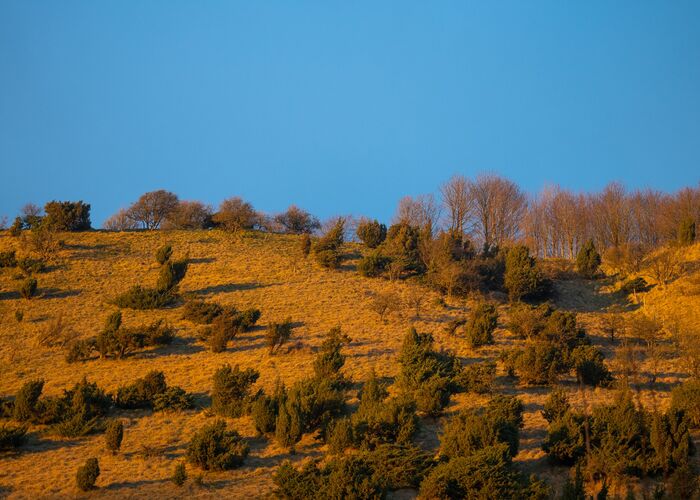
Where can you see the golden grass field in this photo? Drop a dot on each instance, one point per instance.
(264, 271)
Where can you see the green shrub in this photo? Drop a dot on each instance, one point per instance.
(481, 325)
(12, 436)
(483, 474)
(116, 341)
(522, 278)
(163, 254)
(26, 401)
(686, 398)
(317, 401)
(371, 233)
(588, 362)
(218, 339)
(472, 430)
(28, 288)
(171, 274)
(30, 266)
(330, 360)
(78, 411)
(478, 377)
(537, 364)
(142, 392)
(565, 440)
(87, 474)
(556, 405)
(201, 312)
(8, 259)
(277, 334)
(634, 285)
(289, 423)
(402, 247)
(327, 248)
(114, 433)
(67, 215)
(80, 350)
(264, 412)
(213, 447)
(179, 474)
(372, 265)
(305, 244)
(399, 466)
(231, 395)
(588, 260)
(173, 399)
(340, 435)
(140, 298)
(528, 321)
(670, 439)
(384, 422)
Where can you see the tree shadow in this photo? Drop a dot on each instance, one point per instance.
(202, 260)
(130, 485)
(11, 295)
(231, 287)
(55, 293)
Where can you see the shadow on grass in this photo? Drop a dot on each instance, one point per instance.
(55, 293)
(231, 287)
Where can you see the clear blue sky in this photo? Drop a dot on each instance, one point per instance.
(341, 107)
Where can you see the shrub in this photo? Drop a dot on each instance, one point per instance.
(12, 436)
(114, 433)
(218, 339)
(478, 377)
(67, 215)
(481, 325)
(686, 231)
(179, 474)
(330, 360)
(384, 422)
(427, 375)
(588, 362)
(80, 350)
(171, 274)
(201, 312)
(116, 341)
(16, 228)
(78, 411)
(537, 364)
(473, 430)
(340, 435)
(588, 260)
(172, 399)
(399, 466)
(686, 398)
(522, 278)
(264, 412)
(372, 265)
(402, 247)
(289, 423)
(634, 285)
(277, 334)
(87, 474)
(8, 259)
(327, 248)
(483, 474)
(28, 288)
(141, 298)
(213, 447)
(565, 440)
(26, 400)
(556, 405)
(305, 244)
(385, 302)
(163, 254)
(371, 233)
(142, 392)
(231, 393)
(30, 266)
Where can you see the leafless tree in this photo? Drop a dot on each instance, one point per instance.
(120, 222)
(297, 221)
(189, 215)
(612, 218)
(457, 203)
(420, 211)
(499, 208)
(236, 214)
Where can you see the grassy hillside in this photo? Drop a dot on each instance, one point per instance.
(267, 272)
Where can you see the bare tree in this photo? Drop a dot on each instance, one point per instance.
(612, 218)
(189, 215)
(152, 208)
(236, 214)
(499, 209)
(120, 222)
(420, 211)
(297, 221)
(457, 203)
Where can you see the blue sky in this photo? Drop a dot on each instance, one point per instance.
(341, 107)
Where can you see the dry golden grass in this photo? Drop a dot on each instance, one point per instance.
(264, 271)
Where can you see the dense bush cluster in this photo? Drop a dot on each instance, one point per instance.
(214, 447)
(427, 376)
(231, 395)
(327, 249)
(371, 232)
(556, 345)
(116, 341)
(153, 392)
(222, 323)
(624, 439)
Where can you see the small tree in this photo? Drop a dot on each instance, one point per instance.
(231, 394)
(481, 325)
(588, 260)
(305, 244)
(179, 474)
(522, 277)
(277, 334)
(371, 233)
(114, 433)
(327, 248)
(152, 208)
(385, 302)
(686, 231)
(163, 254)
(189, 215)
(87, 474)
(235, 214)
(297, 221)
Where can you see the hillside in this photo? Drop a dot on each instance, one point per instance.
(264, 271)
